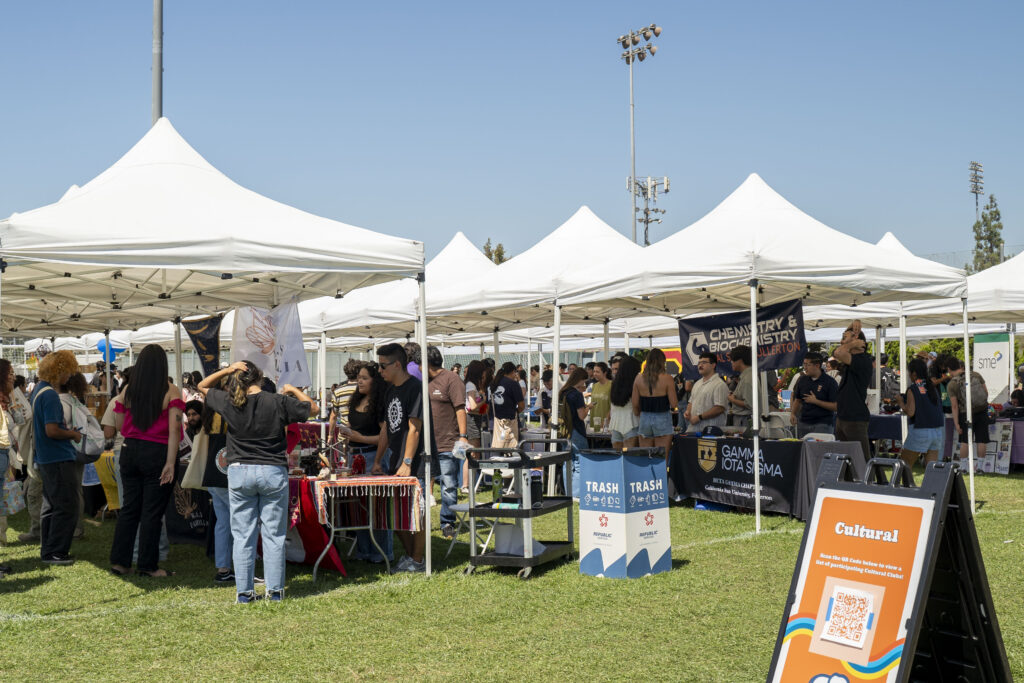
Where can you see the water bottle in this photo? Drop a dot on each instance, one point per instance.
(459, 450)
(496, 485)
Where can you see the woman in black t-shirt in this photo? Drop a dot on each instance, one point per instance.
(364, 430)
(506, 402)
(257, 468)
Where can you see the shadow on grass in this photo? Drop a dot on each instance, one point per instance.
(20, 583)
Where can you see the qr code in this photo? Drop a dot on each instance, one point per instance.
(850, 616)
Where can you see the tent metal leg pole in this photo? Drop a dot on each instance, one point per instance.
(1011, 329)
(321, 374)
(110, 356)
(606, 356)
(625, 341)
(427, 449)
(177, 350)
(903, 367)
(556, 383)
(878, 366)
(756, 412)
(968, 368)
(529, 364)
(497, 358)
(482, 356)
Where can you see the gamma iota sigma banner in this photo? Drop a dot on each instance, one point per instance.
(271, 340)
(780, 338)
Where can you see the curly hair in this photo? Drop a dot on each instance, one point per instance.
(57, 366)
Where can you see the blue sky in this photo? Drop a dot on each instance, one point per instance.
(500, 120)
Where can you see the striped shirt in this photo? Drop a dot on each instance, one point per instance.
(340, 401)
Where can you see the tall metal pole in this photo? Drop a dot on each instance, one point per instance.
(496, 357)
(968, 367)
(177, 350)
(903, 369)
(556, 385)
(421, 305)
(605, 349)
(158, 60)
(321, 379)
(632, 149)
(755, 405)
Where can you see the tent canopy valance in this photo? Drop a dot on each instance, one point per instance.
(162, 233)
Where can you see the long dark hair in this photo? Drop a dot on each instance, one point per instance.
(655, 365)
(5, 370)
(575, 377)
(507, 368)
(145, 393)
(377, 387)
(476, 372)
(209, 414)
(622, 385)
(239, 381)
(918, 368)
(76, 386)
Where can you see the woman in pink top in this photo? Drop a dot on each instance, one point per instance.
(148, 415)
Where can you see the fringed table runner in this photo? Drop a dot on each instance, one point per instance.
(396, 502)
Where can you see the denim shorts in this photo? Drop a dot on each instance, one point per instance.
(923, 440)
(653, 425)
(619, 437)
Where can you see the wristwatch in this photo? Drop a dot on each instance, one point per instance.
(463, 436)
(700, 417)
(407, 461)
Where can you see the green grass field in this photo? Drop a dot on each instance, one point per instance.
(714, 617)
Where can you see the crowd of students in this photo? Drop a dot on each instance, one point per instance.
(378, 414)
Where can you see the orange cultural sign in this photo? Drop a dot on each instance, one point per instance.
(857, 587)
(890, 584)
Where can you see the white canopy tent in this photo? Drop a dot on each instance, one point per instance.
(757, 248)
(162, 234)
(390, 308)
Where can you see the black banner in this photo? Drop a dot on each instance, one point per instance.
(205, 336)
(781, 340)
(722, 471)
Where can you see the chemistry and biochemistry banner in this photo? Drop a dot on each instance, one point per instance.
(780, 337)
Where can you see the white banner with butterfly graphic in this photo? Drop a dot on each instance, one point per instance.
(271, 340)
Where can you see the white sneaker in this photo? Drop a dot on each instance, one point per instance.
(401, 565)
(414, 567)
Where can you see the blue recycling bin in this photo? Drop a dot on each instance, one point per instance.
(624, 521)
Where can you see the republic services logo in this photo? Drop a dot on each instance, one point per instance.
(648, 519)
(707, 454)
(603, 520)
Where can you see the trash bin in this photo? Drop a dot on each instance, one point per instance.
(624, 523)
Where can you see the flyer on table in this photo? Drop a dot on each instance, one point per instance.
(856, 588)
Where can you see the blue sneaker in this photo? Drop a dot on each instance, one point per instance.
(246, 598)
(275, 596)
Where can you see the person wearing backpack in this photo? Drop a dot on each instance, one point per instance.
(54, 457)
(979, 406)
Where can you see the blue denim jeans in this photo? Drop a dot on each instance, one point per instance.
(222, 531)
(451, 468)
(259, 498)
(365, 550)
(571, 471)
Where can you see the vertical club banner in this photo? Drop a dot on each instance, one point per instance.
(992, 361)
(205, 336)
(271, 340)
(781, 342)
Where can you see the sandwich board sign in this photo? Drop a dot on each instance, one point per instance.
(889, 584)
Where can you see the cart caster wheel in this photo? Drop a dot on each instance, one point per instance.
(524, 573)
(468, 570)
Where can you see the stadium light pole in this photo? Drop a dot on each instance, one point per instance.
(630, 42)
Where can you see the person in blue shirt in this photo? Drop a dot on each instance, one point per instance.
(813, 410)
(55, 459)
